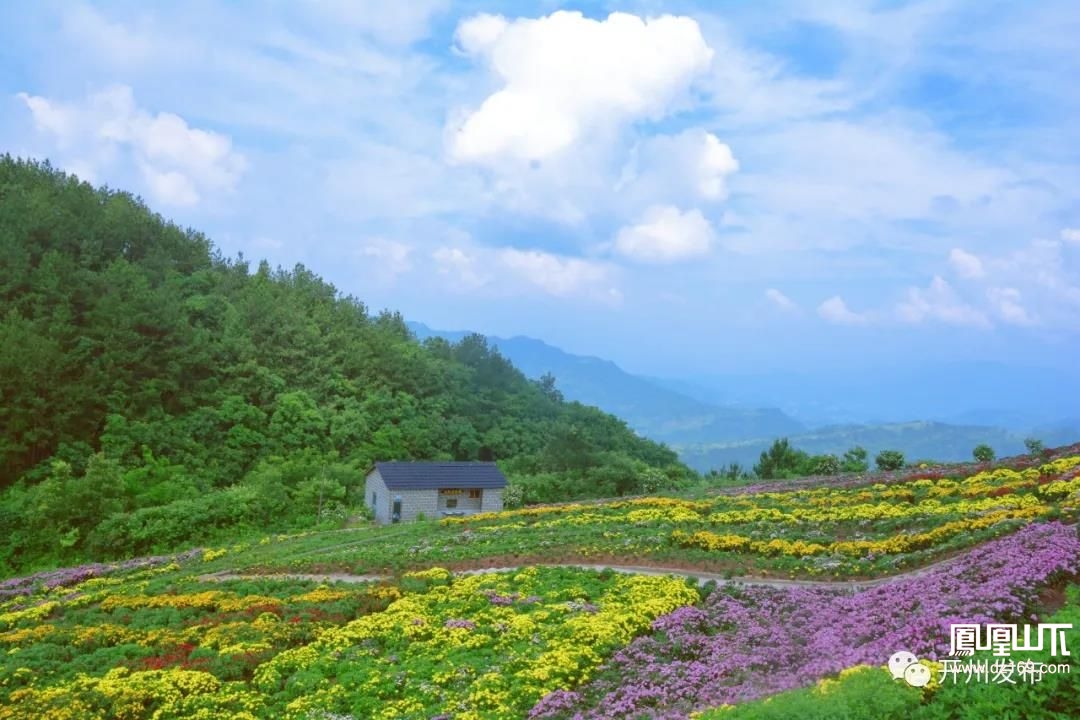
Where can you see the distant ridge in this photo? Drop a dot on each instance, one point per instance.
(714, 422)
(652, 410)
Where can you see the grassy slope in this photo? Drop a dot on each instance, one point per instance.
(272, 647)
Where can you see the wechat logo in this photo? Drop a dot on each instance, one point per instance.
(905, 665)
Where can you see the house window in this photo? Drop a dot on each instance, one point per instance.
(373, 500)
(451, 503)
(474, 494)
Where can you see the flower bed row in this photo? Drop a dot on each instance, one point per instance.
(752, 641)
(844, 532)
(472, 647)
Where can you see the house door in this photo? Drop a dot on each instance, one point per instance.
(395, 513)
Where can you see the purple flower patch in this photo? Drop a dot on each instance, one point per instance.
(750, 641)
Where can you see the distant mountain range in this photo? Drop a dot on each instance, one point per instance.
(647, 407)
(920, 440)
(714, 421)
(978, 392)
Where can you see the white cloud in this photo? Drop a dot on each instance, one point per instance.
(121, 44)
(1071, 235)
(1007, 303)
(715, 164)
(835, 310)
(460, 265)
(880, 169)
(565, 76)
(169, 186)
(966, 264)
(178, 163)
(751, 87)
(392, 258)
(939, 302)
(510, 270)
(479, 34)
(781, 300)
(666, 234)
(387, 22)
(1043, 267)
(558, 275)
(670, 168)
(51, 117)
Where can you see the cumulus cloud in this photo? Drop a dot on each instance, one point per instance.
(835, 310)
(694, 163)
(1043, 267)
(939, 302)
(781, 300)
(1007, 304)
(558, 275)
(966, 264)
(460, 265)
(666, 234)
(392, 257)
(178, 163)
(509, 271)
(715, 163)
(565, 75)
(1071, 235)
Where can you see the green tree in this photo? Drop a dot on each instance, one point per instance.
(855, 460)
(1034, 446)
(781, 460)
(887, 460)
(155, 393)
(983, 453)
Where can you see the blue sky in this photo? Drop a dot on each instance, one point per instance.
(685, 188)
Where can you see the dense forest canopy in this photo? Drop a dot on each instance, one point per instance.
(154, 393)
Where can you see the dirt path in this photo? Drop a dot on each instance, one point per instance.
(701, 577)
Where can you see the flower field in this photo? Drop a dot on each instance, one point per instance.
(749, 642)
(156, 638)
(836, 532)
(484, 646)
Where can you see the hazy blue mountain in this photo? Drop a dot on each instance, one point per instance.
(974, 393)
(917, 440)
(713, 421)
(654, 411)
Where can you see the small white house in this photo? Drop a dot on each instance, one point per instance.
(399, 491)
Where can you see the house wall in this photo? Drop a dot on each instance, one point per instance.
(462, 503)
(429, 502)
(414, 502)
(380, 503)
(492, 500)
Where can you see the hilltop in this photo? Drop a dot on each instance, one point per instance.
(155, 393)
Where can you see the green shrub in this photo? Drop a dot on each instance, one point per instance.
(855, 460)
(889, 460)
(826, 465)
(983, 453)
(864, 693)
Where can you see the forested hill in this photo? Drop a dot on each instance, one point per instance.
(154, 393)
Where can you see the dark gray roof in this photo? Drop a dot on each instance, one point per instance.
(434, 475)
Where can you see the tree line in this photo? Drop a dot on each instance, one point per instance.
(783, 461)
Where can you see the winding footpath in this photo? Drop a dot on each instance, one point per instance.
(701, 577)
